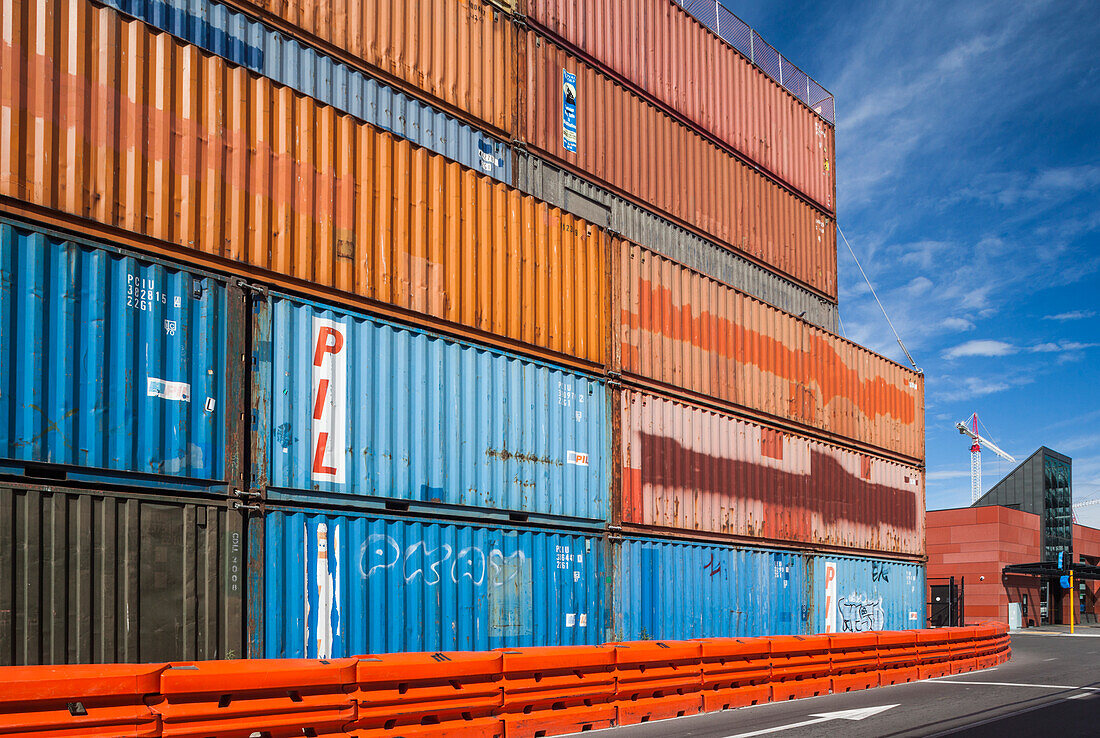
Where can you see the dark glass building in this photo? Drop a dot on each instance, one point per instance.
(1041, 484)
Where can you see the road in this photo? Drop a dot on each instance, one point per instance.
(1050, 687)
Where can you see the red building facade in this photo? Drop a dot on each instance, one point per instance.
(976, 543)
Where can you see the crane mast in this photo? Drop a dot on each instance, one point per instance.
(970, 428)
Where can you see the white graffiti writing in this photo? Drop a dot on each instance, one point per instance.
(859, 614)
(381, 553)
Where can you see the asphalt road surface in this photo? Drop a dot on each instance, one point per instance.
(1051, 687)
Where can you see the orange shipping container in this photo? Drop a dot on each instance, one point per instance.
(684, 332)
(630, 146)
(102, 119)
(689, 468)
(662, 50)
(459, 54)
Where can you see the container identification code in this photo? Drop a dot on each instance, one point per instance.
(569, 111)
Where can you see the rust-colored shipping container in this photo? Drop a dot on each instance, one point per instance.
(683, 332)
(638, 151)
(459, 54)
(662, 50)
(104, 120)
(690, 468)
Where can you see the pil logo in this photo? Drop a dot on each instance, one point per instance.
(329, 400)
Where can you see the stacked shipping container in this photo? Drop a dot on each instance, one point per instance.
(312, 337)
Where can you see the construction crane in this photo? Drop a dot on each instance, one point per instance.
(970, 428)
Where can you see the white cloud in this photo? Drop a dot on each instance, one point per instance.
(957, 324)
(1071, 315)
(980, 347)
(987, 347)
(950, 474)
(1060, 347)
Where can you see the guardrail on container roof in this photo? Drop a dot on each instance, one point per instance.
(739, 35)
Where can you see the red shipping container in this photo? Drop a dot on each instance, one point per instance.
(638, 151)
(663, 51)
(690, 468)
(686, 333)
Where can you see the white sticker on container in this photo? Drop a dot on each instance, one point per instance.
(582, 620)
(209, 404)
(912, 384)
(576, 457)
(329, 400)
(570, 619)
(179, 391)
(576, 576)
(912, 615)
(830, 597)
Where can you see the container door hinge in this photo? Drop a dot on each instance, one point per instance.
(519, 146)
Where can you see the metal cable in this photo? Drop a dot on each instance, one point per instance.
(880, 307)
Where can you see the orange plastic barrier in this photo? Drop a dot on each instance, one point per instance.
(657, 679)
(964, 649)
(934, 652)
(988, 645)
(736, 672)
(273, 698)
(85, 701)
(420, 694)
(898, 658)
(567, 689)
(526, 692)
(854, 661)
(800, 666)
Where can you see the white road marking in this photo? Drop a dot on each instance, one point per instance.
(1080, 695)
(858, 714)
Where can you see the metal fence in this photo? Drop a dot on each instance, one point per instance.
(740, 36)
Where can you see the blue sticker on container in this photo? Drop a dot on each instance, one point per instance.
(569, 111)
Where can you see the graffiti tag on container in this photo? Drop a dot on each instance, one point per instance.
(859, 614)
(433, 563)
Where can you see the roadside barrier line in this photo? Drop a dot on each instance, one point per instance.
(506, 693)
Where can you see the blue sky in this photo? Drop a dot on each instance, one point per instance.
(968, 166)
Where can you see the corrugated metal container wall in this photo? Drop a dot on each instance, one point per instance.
(136, 130)
(537, 177)
(690, 468)
(857, 594)
(366, 408)
(686, 331)
(110, 362)
(100, 577)
(632, 147)
(691, 70)
(671, 589)
(459, 52)
(259, 47)
(342, 584)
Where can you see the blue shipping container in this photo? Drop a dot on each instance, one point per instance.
(253, 45)
(345, 584)
(670, 589)
(109, 362)
(857, 594)
(356, 408)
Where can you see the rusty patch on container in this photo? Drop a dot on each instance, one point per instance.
(505, 455)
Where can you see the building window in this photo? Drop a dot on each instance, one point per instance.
(1057, 509)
